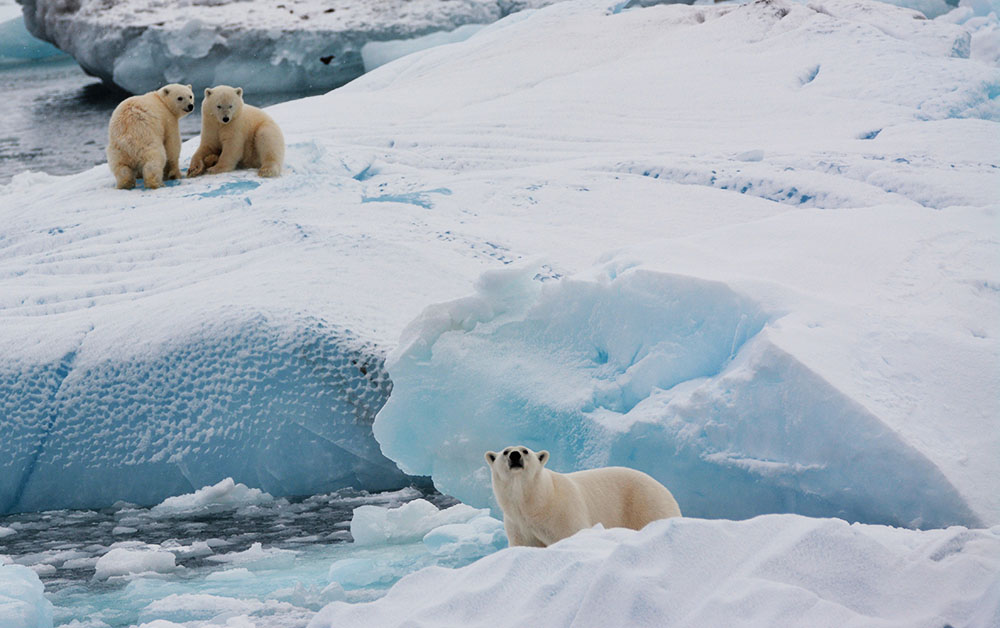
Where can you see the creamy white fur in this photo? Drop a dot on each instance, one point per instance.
(541, 506)
(144, 138)
(236, 135)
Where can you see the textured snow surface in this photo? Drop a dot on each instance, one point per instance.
(791, 206)
(775, 570)
(290, 46)
(22, 599)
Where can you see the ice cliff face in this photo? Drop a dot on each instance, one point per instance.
(296, 45)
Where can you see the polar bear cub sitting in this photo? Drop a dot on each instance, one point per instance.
(236, 135)
(541, 506)
(144, 137)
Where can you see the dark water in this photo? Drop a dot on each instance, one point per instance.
(56, 117)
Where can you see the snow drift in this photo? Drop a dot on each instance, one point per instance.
(689, 572)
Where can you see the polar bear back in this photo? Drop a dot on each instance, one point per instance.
(619, 497)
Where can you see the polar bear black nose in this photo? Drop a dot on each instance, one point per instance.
(225, 119)
(190, 107)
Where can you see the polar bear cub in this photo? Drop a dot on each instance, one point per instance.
(541, 506)
(144, 138)
(236, 135)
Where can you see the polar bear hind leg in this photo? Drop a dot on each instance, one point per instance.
(270, 150)
(154, 160)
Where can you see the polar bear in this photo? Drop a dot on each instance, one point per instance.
(144, 138)
(541, 506)
(236, 135)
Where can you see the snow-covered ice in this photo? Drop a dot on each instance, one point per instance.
(689, 572)
(240, 325)
(751, 249)
(292, 46)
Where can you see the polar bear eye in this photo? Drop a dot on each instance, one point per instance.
(524, 452)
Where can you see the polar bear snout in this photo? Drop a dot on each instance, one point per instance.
(190, 108)
(514, 460)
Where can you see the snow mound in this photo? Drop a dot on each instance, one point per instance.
(293, 46)
(22, 599)
(226, 495)
(374, 525)
(777, 570)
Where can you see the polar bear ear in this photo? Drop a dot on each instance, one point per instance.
(490, 457)
(189, 87)
(543, 457)
(239, 92)
(166, 91)
(208, 92)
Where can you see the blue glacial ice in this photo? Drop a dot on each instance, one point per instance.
(669, 374)
(17, 45)
(231, 401)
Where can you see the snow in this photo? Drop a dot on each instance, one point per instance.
(22, 600)
(690, 572)
(292, 46)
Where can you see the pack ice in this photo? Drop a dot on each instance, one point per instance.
(292, 46)
(749, 249)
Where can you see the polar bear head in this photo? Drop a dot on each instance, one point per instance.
(222, 102)
(178, 98)
(516, 462)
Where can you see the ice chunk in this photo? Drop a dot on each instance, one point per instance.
(374, 525)
(22, 599)
(298, 45)
(226, 495)
(258, 557)
(479, 537)
(676, 376)
(5, 532)
(131, 561)
(776, 570)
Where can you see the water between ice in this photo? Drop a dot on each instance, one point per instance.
(268, 558)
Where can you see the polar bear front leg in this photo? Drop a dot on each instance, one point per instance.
(231, 153)
(172, 144)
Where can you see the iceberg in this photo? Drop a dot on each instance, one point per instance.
(293, 46)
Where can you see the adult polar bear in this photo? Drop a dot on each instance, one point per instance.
(144, 137)
(236, 135)
(541, 506)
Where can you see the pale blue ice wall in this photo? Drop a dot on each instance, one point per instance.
(287, 408)
(676, 376)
